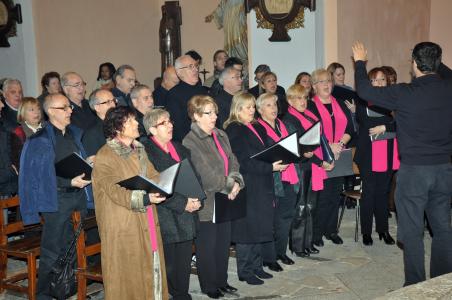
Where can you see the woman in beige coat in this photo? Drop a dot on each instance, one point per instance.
(132, 255)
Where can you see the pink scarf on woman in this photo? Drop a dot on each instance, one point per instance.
(340, 120)
(222, 153)
(318, 173)
(290, 174)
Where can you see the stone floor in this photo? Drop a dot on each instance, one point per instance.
(349, 271)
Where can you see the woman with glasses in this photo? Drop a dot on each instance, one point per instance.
(337, 127)
(218, 168)
(132, 252)
(376, 161)
(178, 215)
(253, 234)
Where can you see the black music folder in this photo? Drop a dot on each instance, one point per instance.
(228, 210)
(382, 136)
(310, 140)
(286, 150)
(343, 166)
(72, 166)
(165, 185)
(187, 182)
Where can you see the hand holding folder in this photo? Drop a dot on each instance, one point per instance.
(72, 166)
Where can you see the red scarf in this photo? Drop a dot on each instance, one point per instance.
(172, 151)
(222, 153)
(290, 174)
(380, 156)
(318, 173)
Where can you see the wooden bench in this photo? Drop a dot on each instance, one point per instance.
(84, 270)
(23, 248)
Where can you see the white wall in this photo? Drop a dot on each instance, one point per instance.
(19, 60)
(286, 59)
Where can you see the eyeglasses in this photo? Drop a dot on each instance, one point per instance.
(165, 123)
(64, 108)
(209, 113)
(114, 100)
(77, 85)
(191, 67)
(240, 77)
(378, 80)
(328, 81)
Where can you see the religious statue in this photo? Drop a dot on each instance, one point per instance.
(230, 15)
(169, 33)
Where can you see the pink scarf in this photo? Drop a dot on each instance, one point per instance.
(318, 173)
(222, 153)
(172, 151)
(380, 156)
(290, 174)
(250, 126)
(339, 118)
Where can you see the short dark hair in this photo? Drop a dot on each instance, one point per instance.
(390, 72)
(427, 56)
(46, 79)
(115, 119)
(218, 52)
(231, 61)
(110, 66)
(120, 71)
(195, 55)
(300, 75)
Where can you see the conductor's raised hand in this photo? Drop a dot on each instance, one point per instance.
(79, 182)
(359, 51)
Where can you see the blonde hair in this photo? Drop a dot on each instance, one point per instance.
(238, 102)
(296, 90)
(196, 105)
(26, 101)
(318, 73)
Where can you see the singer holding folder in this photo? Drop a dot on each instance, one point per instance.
(376, 161)
(253, 234)
(178, 214)
(133, 264)
(337, 127)
(218, 168)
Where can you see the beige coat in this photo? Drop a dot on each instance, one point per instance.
(127, 259)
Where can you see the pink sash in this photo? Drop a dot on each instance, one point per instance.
(222, 154)
(290, 174)
(318, 173)
(172, 151)
(152, 230)
(380, 156)
(339, 118)
(250, 126)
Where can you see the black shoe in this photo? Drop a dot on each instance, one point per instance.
(285, 259)
(367, 240)
(253, 280)
(215, 295)
(263, 275)
(318, 243)
(274, 266)
(303, 253)
(313, 250)
(335, 238)
(387, 238)
(228, 289)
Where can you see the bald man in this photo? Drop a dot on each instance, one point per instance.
(43, 193)
(170, 80)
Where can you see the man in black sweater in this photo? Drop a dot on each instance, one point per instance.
(178, 96)
(423, 111)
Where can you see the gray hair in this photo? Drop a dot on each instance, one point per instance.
(150, 118)
(224, 73)
(120, 71)
(48, 101)
(135, 92)
(264, 97)
(9, 81)
(93, 100)
(65, 77)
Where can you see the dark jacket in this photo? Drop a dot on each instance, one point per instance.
(223, 100)
(83, 117)
(9, 118)
(159, 95)
(177, 99)
(123, 99)
(8, 178)
(176, 224)
(257, 226)
(94, 138)
(210, 167)
(37, 177)
(423, 111)
(363, 155)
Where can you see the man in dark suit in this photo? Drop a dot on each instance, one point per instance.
(12, 92)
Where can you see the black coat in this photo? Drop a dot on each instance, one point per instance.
(363, 155)
(223, 100)
(8, 178)
(94, 138)
(257, 226)
(176, 224)
(9, 118)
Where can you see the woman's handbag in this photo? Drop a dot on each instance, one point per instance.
(63, 280)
